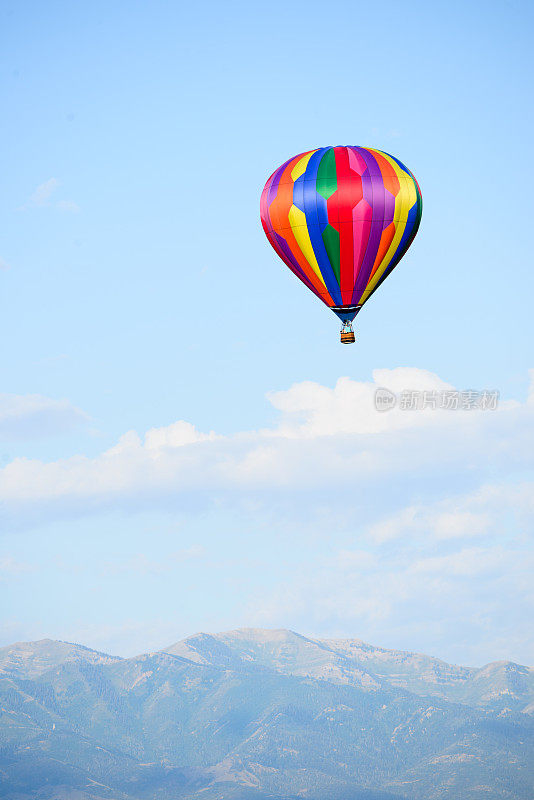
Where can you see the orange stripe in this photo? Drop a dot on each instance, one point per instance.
(279, 216)
(385, 242)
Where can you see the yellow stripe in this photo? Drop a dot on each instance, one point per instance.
(404, 201)
(297, 220)
(300, 167)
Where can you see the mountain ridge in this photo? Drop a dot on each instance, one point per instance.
(356, 657)
(253, 714)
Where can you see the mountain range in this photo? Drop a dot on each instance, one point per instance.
(261, 715)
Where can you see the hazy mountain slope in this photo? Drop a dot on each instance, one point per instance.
(500, 685)
(252, 714)
(285, 651)
(30, 659)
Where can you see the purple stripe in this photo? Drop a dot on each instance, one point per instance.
(273, 189)
(374, 193)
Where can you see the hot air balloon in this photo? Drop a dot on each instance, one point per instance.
(341, 219)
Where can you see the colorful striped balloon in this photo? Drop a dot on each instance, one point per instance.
(341, 218)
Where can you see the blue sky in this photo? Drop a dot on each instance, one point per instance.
(138, 290)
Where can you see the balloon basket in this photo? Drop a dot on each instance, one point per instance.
(347, 334)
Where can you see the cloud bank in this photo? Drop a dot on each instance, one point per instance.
(398, 526)
(327, 440)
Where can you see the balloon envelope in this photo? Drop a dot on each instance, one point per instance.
(341, 218)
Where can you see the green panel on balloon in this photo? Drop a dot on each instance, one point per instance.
(331, 243)
(327, 175)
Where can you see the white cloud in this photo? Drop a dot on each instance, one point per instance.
(176, 435)
(4, 265)
(310, 410)
(32, 415)
(467, 562)
(436, 521)
(394, 526)
(473, 604)
(10, 566)
(451, 524)
(68, 205)
(43, 193)
(421, 521)
(328, 442)
(42, 197)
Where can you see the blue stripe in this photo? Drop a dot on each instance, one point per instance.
(316, 211)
